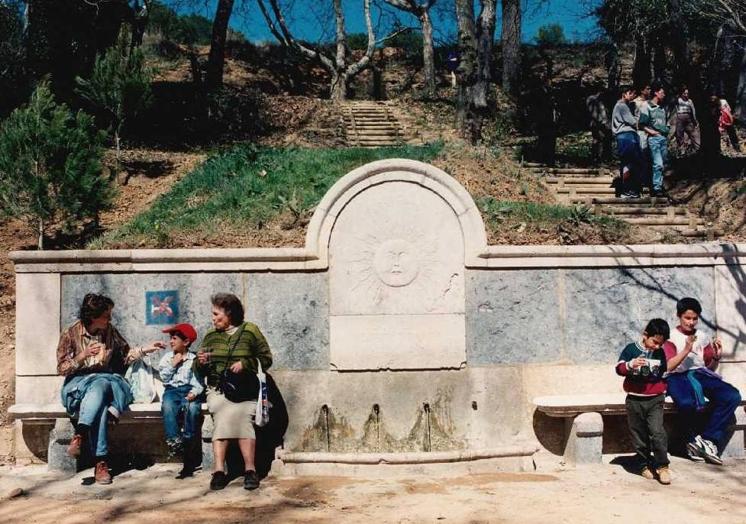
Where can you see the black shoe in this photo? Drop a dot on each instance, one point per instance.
(219, 481)
(250, 480)
(187, 471)
(660, 193)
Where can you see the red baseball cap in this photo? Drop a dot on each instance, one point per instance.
(185, 329)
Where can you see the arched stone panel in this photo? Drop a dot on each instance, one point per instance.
(396, 240)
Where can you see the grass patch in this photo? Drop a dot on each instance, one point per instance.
(499, 212)
(247, 186)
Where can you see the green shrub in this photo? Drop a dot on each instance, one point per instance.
(246, 186)
(118, 87)
(50, 165)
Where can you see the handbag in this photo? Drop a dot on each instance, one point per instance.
(261, 417)
(237, 387)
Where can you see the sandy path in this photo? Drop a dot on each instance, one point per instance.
(700, 493)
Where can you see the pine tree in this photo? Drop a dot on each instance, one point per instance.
(50, 165)
(118, 87)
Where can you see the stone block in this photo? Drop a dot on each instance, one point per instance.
(59, 440)
(38, 390)
(369, 342)
(585, 440)
(730, 287)
(128, 293)
(37, 323)
(292, 310)
(608, 308)
(513, 317)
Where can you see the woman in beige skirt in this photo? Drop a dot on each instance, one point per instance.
(236, 345)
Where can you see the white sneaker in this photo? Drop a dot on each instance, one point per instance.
(711, 452)
(695, 450)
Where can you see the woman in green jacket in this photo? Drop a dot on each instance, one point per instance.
(236, 345)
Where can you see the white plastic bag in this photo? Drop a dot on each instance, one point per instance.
(262, 404)
(141, 378)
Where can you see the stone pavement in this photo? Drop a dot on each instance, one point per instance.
(607, 493)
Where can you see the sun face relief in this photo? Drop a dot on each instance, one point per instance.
(396, 263)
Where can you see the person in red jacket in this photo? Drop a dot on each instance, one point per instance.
(642, 364)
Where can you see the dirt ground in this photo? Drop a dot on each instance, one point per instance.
(604, 493)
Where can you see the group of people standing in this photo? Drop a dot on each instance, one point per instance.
(640, 124)
(93, 355)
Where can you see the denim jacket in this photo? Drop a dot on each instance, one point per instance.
(180, 375)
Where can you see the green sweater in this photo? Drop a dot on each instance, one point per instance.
(251, 345)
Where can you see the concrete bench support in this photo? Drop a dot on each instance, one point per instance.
(585, 439)
(736, 447)
(59, 439)
(208, 459)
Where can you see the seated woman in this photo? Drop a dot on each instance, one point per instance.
(92, 356)
(236, 345)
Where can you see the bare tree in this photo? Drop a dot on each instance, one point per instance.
(475, 42)
(422, 11)
(730, 13)
(511, 45)
(216, 58)
(338, 66)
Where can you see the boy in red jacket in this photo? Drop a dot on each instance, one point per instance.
(642, 364)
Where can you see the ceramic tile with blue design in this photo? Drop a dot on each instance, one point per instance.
(161, 307)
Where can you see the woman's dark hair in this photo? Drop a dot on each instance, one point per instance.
(658, 326)
(655, 87)
(688, 304)
(229, 303)
(93, 306)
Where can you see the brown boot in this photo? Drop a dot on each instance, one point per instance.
(75, 444)
(101, 474)
(664, 475)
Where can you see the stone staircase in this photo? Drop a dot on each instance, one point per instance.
(592, 187)
(370, 124)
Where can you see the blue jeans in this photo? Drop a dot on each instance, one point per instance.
(93, 413)
(89, 396)
(659, 154)
(628, 148)
(174, 401)
(723, 399)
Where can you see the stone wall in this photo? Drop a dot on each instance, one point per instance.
(397, 328)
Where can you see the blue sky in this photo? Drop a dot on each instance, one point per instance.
(305, 23)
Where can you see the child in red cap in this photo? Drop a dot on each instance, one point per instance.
(183, 391)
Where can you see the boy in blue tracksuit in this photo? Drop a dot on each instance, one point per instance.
(183, 391)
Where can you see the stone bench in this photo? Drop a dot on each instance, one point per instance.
(584, 424)
(63, 431)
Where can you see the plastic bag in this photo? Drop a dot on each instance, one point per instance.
(141, 378)
(262, 403)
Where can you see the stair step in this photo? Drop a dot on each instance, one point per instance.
(560, 171)
(618, 210)
(665, 221)
(586, 190)
(601, 180)
(647, 201)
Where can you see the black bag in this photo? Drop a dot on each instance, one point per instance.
(241, 386)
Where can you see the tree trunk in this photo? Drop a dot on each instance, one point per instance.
(428, 56)
(485, 42)
(659, 61)
(740, 101)
(680, 45)
(641, 68)
(40, 240)
(216, 59)
(467, 72)
(613, 67)
(338, 87)
(511, 45)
